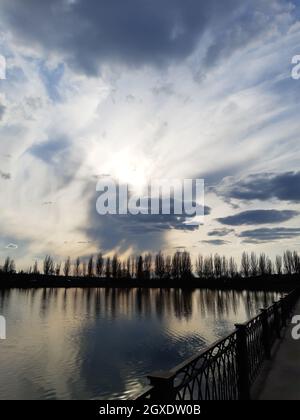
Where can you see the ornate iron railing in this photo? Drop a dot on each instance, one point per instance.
(227, 369)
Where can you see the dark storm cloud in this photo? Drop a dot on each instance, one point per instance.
(257, 217)
(139, 232)
(269, 234)
(265, 186)
(220, 232)
(216, 242)
(138, 32)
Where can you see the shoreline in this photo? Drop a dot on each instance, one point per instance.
(283, 283)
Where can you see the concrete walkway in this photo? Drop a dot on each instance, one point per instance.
(282, 380)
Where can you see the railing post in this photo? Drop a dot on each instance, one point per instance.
(266, 333)
(163, 386)
(242, 362)
(276, 319)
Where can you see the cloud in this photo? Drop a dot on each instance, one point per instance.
(5, 175)
(11, 246)
(263, 186)
(257, 217)
(269, 234)
(220, 232)
(50, 151)
(2, 111)
(216, 242)
(139, 232)
(60, 156)
(138, 33)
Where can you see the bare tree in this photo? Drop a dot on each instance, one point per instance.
(108, 268)
(124, 270)
(217, 266)
(139, 268)
(232, 267)
(84, 271)
(133, 271)
(48, 265)
(245, 265)
(176, 265)
(57, 269)
(12, 266)
(114, 266)
(262, 264)
(186, 265)
(36, 268)
(99, 265)
(9, 266)
(77, 270)
(208, 270)
(67, 267)
(91, 266)
(253, 264)
(159, 265)
(269, 267)
(288, 262)
(119, 269)
(199, 266)
(278, 263)
(128, 267)
(225, 268)
(296, 262)
(148, 265)
(168, 266)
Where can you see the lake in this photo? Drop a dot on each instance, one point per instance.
(100, 343)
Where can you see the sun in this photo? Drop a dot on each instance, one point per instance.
(133, 171)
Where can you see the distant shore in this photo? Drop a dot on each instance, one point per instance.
(273, 282)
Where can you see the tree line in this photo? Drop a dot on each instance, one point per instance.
(161, 266)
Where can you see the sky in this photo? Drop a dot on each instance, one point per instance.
(138, 90)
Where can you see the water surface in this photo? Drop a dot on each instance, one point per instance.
(100, 343)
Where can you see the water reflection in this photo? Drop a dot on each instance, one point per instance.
(100, 343)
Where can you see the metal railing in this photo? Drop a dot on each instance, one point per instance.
(227, 369)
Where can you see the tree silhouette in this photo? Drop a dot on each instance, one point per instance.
(159, 265)
(200, 266)
(108, 268)
(57, 269)
(217, 266)
(9, 266)
(253, 264)
(83, 268)
(48, 265)
(99, 265)
(269, 267)
(91, 266)
(245, 264)
(36, 268)
(176, 265)
(115, 266)
(77, 270)
(262, 264)
(186, 265)
(140, 268)
(288, 262)
(67, 267)
(232, 267)
(278, 264)
(147, 266)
